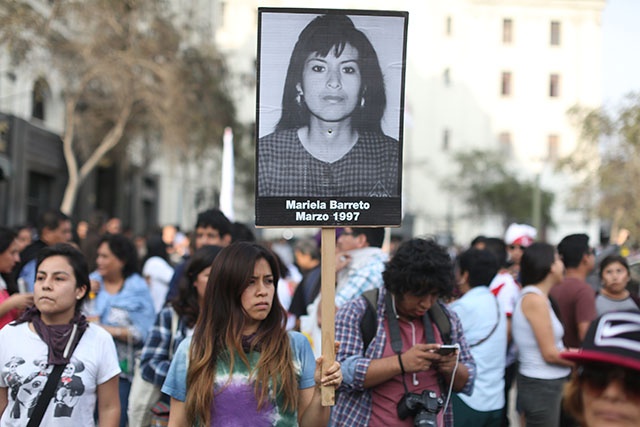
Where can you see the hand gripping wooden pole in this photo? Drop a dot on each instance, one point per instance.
(328, 307)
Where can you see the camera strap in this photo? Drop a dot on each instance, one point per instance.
(394, 334)
(396, 339)
(394, 329)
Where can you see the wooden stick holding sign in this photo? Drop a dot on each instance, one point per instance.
(328, 307)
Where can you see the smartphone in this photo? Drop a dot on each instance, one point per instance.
(447, 349)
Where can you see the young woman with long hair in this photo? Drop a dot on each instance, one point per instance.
(241, 366)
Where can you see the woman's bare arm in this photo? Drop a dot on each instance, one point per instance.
(536, 310)
(109, 403)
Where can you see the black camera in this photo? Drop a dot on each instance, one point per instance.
(423, 407)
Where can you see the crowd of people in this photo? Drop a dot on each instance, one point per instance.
(225, 331)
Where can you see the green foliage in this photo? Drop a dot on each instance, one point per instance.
(488, 187)
(608, 158)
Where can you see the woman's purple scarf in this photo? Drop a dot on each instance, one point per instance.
(61, 339)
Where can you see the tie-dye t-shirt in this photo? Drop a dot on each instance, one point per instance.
(234, 402)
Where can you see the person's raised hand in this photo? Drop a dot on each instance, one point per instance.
(21, 301)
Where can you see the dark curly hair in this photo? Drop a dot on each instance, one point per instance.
(420, 267)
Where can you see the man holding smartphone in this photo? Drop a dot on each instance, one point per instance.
(404, 375)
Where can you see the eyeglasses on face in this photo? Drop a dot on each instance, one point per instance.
(598, 376)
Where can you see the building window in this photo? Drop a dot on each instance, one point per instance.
(39, 191)
(448, 26)
(505, 84)
(446, 77)
(39, 98)
(553, 147)
(507, 31)
(446, 139)
(554, 85)
(555, 33)
(505, 143)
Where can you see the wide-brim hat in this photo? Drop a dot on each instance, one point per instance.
(612, 338)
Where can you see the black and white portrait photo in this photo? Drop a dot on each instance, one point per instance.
(330, 95)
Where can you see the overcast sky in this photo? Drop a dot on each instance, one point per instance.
(621, 24)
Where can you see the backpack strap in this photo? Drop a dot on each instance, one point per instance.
(369, 321)
(45, 397)
(442, 321)
(394, 328)
(369, 324)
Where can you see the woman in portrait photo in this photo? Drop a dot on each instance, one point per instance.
(329, 140)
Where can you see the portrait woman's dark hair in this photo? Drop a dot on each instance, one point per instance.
(218, 334)
(186, 303)
(536, 263)
(124, 249)
(319, 37)
(76, 260)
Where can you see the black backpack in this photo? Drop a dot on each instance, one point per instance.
(369, 324)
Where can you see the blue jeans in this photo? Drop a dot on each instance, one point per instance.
(124, 386)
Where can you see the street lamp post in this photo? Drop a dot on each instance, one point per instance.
(536, 205)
